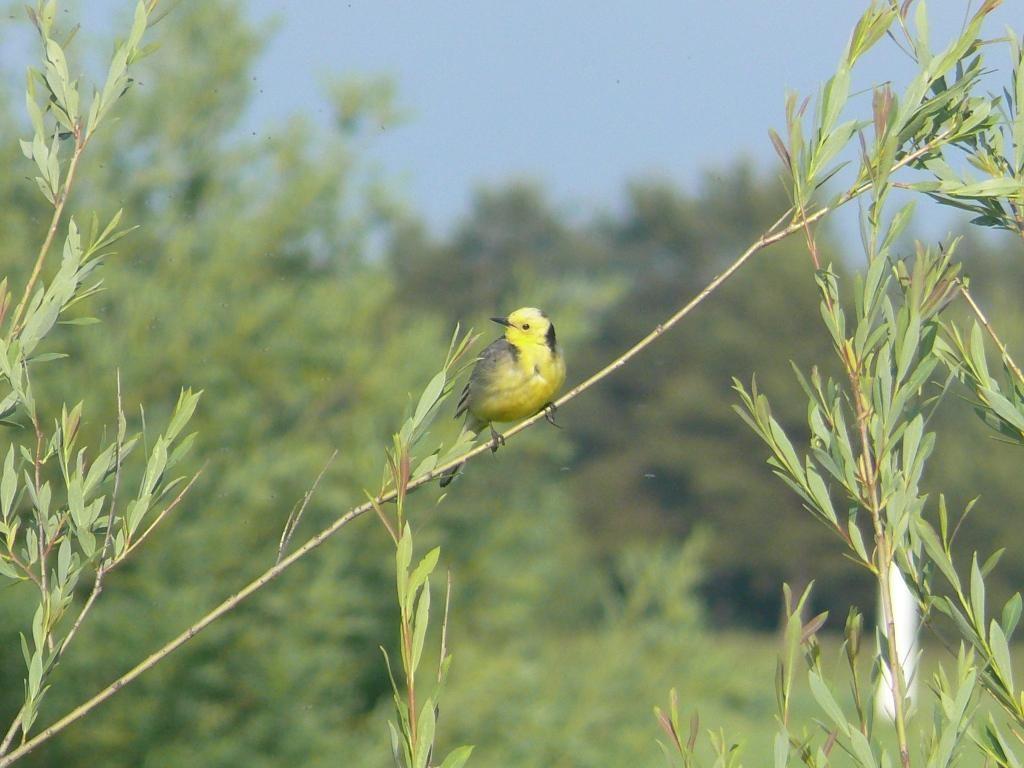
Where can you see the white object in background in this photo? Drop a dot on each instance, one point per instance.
(904, 610)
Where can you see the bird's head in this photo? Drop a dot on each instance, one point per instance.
(528, 325)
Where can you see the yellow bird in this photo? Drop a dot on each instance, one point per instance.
(514, 377)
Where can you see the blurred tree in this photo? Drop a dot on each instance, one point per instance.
(660, 450)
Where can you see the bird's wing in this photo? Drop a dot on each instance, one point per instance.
(486, 364)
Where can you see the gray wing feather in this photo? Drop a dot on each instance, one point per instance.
(485, 364)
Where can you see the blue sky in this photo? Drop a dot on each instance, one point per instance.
(579, 95)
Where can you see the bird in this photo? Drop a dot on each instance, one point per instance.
(515, 376)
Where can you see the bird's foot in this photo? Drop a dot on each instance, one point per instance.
(497, 439)
(549, 414)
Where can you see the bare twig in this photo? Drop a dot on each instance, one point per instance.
(12, 731)
(384, 519)
(296, 514)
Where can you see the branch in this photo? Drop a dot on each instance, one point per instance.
(992, 332)
(156, 521)
(58, 210)
(296, 515)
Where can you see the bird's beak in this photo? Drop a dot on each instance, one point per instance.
(501, 321)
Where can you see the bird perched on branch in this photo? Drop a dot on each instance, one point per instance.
(515, 376)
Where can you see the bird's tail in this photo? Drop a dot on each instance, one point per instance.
(473, 427)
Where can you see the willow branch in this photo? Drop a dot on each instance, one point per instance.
(58, 211)
(992, 333)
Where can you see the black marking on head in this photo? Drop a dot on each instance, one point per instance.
(550, 337)
(514, 350)
(536, 370)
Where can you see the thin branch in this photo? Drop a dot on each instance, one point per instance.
(102, 566)
(156, 521)
(12, 731)
(410, 683)
(108, 536)
(37, 465)
(296, 515)
(992, 333)
(384, 519)
(883, 550)
(772, 236)
(58, 210)
(883, 546)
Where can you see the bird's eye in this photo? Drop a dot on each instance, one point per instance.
(526, 326)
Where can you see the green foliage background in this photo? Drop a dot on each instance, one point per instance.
(279, 274)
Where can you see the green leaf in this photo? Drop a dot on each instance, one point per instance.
(999, 187)
(34, 112)
(86, 540)
(429, 397)
(44, 187)
(425, 734)
(423, 569)
(784, 449)
(937, 553)
(977, 356)
(397, 748)
(63, 560)
(1003, 408)
(47, 357)
(911, 441)
(8, 485)
(103, 464)
(426, 466)
(908, 347)
(1011, 614)
(819, 492)
(872, 282)
(403, 557)
(1001, 654)
(457, 757)
(977, 596)
(76, 501)
(183, 411)
(35, 673)
(138, 25)
(921, 47)
(862, 749)
(898, 224)
(827, 702)
(6, 569)
(420, 624)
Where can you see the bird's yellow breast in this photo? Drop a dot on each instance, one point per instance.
(519, 385)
